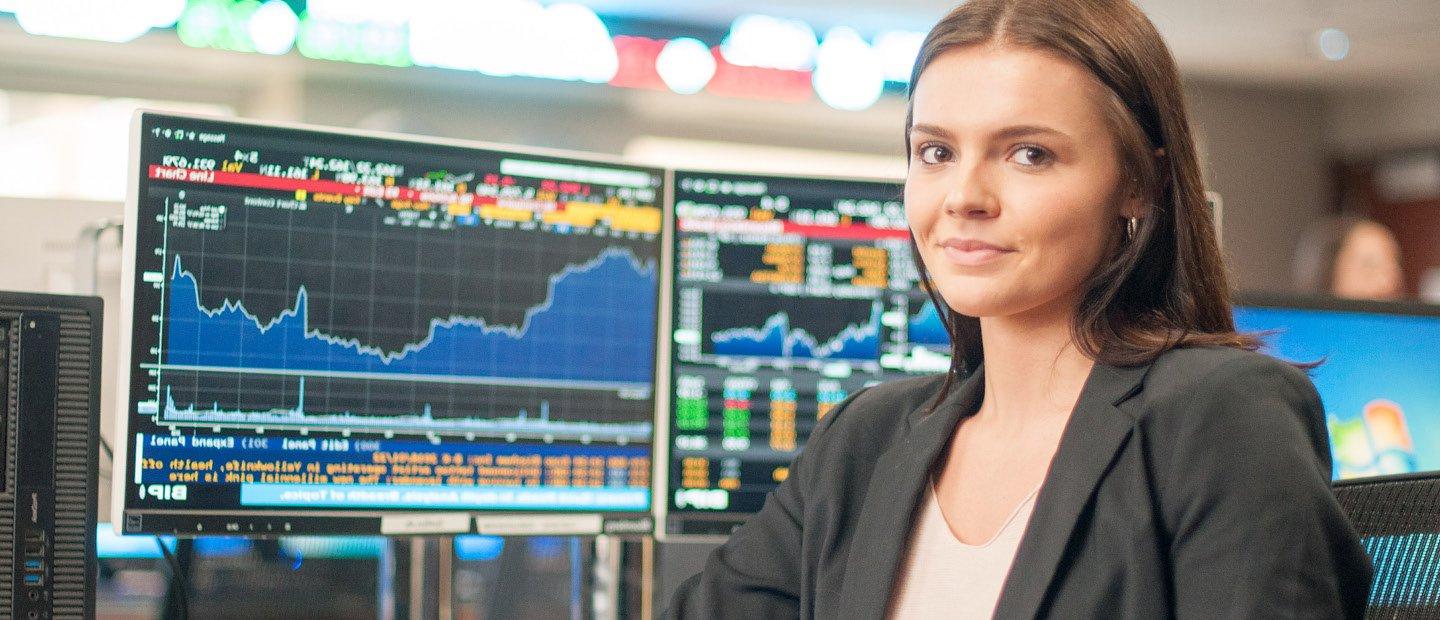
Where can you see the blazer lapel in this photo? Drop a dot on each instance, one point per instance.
(1096, 431)
(900, 473)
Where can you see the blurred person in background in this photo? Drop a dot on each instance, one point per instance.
(1350, 257)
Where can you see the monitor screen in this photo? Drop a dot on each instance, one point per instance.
(1379, 376)
(789, 294)
(330, 332)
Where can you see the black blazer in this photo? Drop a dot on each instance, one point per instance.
(1193, 487)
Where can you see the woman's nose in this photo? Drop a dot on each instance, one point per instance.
(970, 195)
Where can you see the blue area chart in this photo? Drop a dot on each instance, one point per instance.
(600, 310)
(926, 328)
(778, 338)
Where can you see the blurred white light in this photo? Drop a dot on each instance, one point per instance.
(273, 28)
(573, 44)
(359, 11)
(764, 41)
(115, 21)
(8, 6)
(513, 37)
(686, 65)
(504, 43)
(599, 59)
(897, 50)
(164, 13)
(438, 32)
(108, 125)
(848, 74)
(4, 109)
(1334, 44)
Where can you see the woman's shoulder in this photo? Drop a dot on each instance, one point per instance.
(881, 408)
(1190, 372)
(851, 438)
(1223, 421)
(1196, 388)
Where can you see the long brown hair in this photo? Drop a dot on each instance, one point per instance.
(1166, 287)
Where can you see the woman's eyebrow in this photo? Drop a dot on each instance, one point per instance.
(934, 130)
(1007, 133)
(1020, 131)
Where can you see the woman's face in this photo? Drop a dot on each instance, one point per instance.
(1014, 191)
(1368, 265)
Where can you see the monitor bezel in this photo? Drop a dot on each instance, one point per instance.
(276, 522)
(1335, 304)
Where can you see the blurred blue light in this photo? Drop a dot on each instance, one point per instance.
(547, 547)
(222, 546)
(476, 548)
(1334, 44)
(109, 545)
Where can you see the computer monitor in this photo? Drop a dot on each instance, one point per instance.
(343, 333)
(789, 294)
(1379, 376)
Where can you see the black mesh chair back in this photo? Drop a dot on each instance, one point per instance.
(1398, 518)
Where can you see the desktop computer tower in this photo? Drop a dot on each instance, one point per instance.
(49, 427)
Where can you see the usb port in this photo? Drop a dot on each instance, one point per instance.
(34, 579)
(35, 565)
(35, 536)
(33, 549)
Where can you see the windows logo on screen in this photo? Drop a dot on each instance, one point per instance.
(1375, 444)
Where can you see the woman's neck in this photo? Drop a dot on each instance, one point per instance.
(1033, 370)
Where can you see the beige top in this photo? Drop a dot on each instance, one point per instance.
(942, 577)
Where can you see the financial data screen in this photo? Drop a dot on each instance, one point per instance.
(789, 295)
(1379, 377)
(335, 324)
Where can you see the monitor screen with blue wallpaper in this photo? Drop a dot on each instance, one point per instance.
(1379, 380)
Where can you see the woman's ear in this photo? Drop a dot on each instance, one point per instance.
(1135, 205)
(1137, 208)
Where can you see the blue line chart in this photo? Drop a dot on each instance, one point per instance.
(779, 338)
(596, 326)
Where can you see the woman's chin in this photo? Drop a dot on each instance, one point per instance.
(979, 307)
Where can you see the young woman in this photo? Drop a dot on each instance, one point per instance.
(1106, 444)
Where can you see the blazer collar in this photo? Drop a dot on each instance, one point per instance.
(1096, 431)
(896, 482)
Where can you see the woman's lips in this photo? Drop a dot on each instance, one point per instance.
(972, 252)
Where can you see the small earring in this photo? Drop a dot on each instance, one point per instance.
(1132, 226)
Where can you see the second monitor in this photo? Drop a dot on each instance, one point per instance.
(789, 295)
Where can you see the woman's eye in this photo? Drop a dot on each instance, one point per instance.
(934, 154)
(1031, 156)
